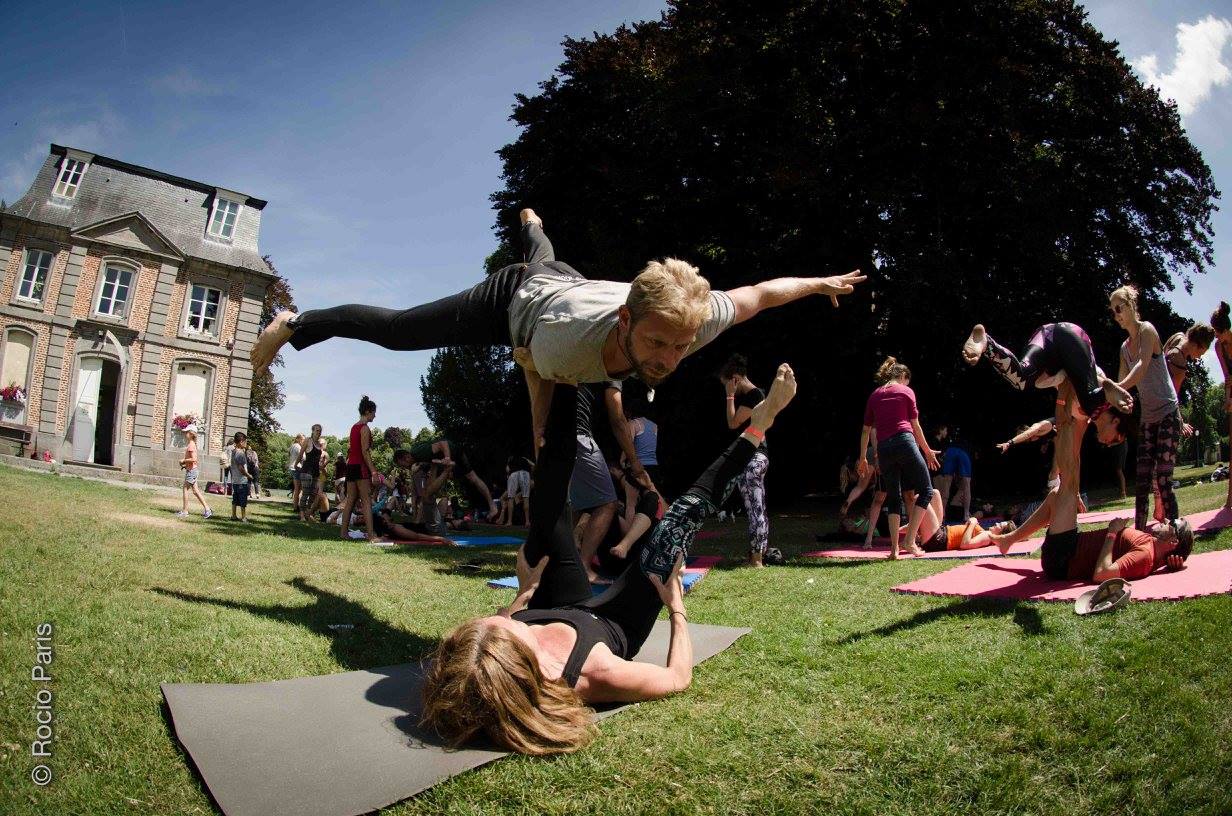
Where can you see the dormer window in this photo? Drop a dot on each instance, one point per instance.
(72, 168)
(224, 215)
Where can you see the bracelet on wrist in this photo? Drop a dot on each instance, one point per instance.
(681, 614)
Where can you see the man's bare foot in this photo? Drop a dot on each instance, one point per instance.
(973, 349)
(867, 545)
(597, 579)
(1002, 541)
(916, 550)
(275, 335)
(782, 390)
(1118, 397)
(528, 217)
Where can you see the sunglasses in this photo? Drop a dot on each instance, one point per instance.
(1116, 309)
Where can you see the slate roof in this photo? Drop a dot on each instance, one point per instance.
(178, 207)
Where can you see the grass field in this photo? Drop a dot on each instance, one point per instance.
(846, 697)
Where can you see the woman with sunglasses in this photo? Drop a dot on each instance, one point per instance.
(1143, 367)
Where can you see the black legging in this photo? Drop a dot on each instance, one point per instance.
(477, 317)
(1054, 347)
(632, 603)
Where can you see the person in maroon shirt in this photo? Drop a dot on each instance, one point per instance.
(902, 451)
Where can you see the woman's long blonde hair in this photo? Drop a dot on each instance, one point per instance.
(484, 680)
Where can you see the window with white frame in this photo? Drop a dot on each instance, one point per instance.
(71, 171)
(201, 317)
(34, 275)
(115, 292)
(223, 218)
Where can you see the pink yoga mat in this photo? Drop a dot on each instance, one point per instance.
(1023, 579)
(1105, 515)
(883, 551)
(1204, 522)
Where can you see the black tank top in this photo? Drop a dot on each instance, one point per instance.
(590, 628)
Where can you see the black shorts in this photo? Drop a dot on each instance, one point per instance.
(357, 473)
(939, 542)
(1057, 552)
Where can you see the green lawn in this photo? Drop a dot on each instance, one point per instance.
(846, 697)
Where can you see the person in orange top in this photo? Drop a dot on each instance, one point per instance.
(191, 467)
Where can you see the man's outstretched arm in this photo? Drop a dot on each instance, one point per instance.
(749, 300)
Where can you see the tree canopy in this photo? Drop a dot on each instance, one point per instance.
(983, 160)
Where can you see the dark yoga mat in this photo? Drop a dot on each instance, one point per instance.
(340, 744)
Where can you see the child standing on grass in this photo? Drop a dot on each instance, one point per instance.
(191, 470)
(239, 477)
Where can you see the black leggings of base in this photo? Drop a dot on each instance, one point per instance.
(1054, 347)
(632, 603)
(477, 317)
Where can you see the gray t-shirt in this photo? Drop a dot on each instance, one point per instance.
(565, 321)
(293, 456)
(1155, 391)
(239, 460)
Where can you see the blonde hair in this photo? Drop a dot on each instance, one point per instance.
(484, 679)
(191, 436)
(671, 288)
(1127, 293)
(891, 370)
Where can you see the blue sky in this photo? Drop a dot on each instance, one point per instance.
(373, 133)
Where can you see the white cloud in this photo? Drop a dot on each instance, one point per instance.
(1199, 65)
(296, 398)
(182, 82)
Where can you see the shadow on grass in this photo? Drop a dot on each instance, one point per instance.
(1026, 618)
(371, 641)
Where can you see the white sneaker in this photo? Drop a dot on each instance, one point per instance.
(208, 512)
(356, 535)
(182, 514)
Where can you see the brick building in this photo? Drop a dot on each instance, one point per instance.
(129, 297)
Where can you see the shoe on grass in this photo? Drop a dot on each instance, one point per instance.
(356, 535)
(208, 512)
(182, 514)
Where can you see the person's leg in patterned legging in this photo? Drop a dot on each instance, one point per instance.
(752, 484)
(1156, 460)
(672, 536)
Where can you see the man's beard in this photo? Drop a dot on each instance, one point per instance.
(652, 377)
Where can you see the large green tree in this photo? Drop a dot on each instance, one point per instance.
(992, 160)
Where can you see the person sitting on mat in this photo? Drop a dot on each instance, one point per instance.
(1056, 354)
(524, 678)
(1097, 555)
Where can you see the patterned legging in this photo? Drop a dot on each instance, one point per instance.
(752, 484)
(1156, 459)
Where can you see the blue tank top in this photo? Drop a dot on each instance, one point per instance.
(646, 443)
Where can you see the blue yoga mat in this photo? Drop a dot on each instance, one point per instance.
(511, 582)
(488, 541)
